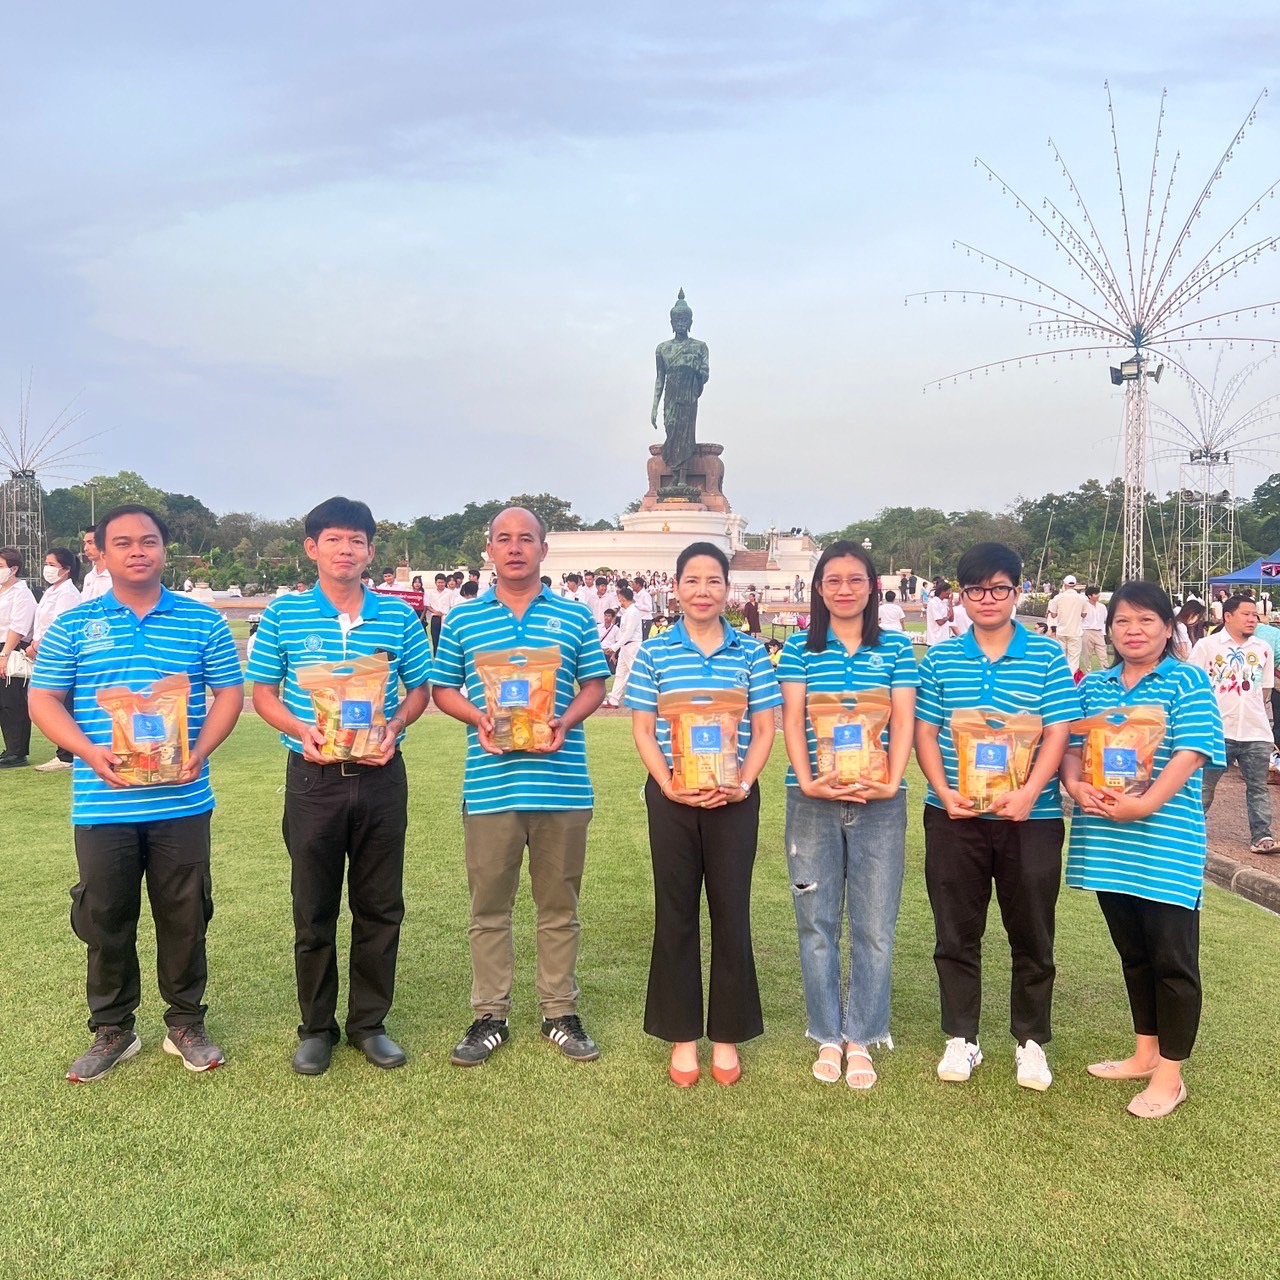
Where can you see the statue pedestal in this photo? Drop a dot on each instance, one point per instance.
(705, 473)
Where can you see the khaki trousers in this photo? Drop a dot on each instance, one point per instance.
(1071, 646)
(1095, 646)
(495, 845)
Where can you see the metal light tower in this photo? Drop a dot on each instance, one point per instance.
(1144, 303)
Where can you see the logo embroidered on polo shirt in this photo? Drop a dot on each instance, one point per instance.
(553, 624)
(744, 679)
(313, 644)
(96, 629)
(875, 662)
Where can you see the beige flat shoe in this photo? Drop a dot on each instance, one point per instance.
(1117, 1071)
(1145, 1110)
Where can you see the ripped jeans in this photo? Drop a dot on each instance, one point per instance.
(850, 858)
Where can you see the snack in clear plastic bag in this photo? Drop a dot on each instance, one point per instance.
(704, 736)
(1120, 747)
(349, 698)
(995, 749)
(849, 728)
(149, 730)
(520, 695)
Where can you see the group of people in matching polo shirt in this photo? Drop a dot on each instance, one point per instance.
(1142, 854)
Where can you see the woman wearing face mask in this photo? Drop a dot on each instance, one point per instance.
(60, 594)
(17, 623)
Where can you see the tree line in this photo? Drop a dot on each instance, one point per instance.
(1058, 533)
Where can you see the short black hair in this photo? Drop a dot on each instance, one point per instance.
(889, 597)
(695, 549)
(67, 559)
(340, 513)
(469, 590)
(1143, 595)
(602, 581)
(545, 580)
(1232, 603)
(388, 570)
(1093, 591)
(129, 509)
(626, 593)
(984, 560)
(476, 572)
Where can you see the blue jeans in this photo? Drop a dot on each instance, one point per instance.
(848, 856)
(1254, 759)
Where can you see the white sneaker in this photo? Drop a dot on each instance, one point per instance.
(1033, 1067)
(959, 1060)
(52, 766)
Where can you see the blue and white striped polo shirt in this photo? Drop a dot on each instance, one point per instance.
(672, 663)
(1160, 858)
(299, 630)
(891, 664)
(522, 779)
(1032, 675)
(103, 643)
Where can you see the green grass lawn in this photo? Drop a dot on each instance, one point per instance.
(531, 1165)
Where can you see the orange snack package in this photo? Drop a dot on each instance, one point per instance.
(1120, 747)
(704, 736)
(149, 730)
(349, 698)
(848, 727)
(996, 749)
(520, 695)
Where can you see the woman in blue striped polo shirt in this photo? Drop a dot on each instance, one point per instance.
(1143, 854)
(702, 836)
(846, 843)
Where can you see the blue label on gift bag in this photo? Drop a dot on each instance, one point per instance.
(148, 728)
(705, 739)
(1120, 762)
(513, 693)
(357, 713)
(847, 737)
(991, 757)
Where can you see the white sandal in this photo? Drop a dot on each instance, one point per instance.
(852, 1071)
(823, 1068)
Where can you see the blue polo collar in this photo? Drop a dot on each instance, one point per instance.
(1017, 645)
(732, 638)
(164, 604)
(369, 606)
(1163, 668)
(491, 596)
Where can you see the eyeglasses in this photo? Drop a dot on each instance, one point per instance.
(974, 594)
(834, 584)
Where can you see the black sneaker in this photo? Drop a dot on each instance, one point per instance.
(483, 1036)
(13, 762)
(191, 1043)
(110, 1046)
(568, 1035)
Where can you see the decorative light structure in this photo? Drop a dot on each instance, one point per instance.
(29, 457)
(1148, 312)
(1207, 449)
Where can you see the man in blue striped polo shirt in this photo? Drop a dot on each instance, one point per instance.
(350, 816)
(540, 799)
(999, 665)
(130, 637)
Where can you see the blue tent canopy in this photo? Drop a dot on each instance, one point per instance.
(1264, 571)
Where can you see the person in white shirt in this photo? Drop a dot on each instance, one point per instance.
(1242, 670)
(60, 594)
(891, 613)
(630, 633)
(939, 613)
(436, 604)
(644, 606)
(1094, 635)
(1066, 616)
(608, 629)
(960, 620)
(601, 598)
(97, 582)
(17, 625)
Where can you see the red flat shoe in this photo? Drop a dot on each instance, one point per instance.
(726, 1075)
(684, 1079)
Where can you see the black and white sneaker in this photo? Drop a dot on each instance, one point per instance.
(111, 1045)
(483, 1036)
(569, 1036)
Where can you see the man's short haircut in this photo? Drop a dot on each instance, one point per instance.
(638, 583)
(984, 560)
(475, 573)
(340, 513)
(441, 578)
(545, 580)
(469, 590)
(611, 613)
(89, 528)
(626, 593)
(889, 597)
(602, 582)
(388, 570)
(573, 577)
(129, 509)
(537, 519)
(1232, 603)
(1093, 591)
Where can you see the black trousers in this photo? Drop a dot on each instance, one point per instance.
(1275, 716)
(346, 818)
(114, 858)
(962, 859)
(436, 620)
(692, 847)
(1159, 946)
(15, 721)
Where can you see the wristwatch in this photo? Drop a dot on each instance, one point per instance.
(746, 788)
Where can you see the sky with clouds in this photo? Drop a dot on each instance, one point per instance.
(422, 254)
